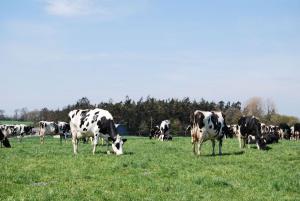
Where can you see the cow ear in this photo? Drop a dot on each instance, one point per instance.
(124, 140)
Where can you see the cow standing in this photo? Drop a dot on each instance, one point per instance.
(164, 128)
(94, 123)
(63, 130)
(296, 132)
(207, 126)
(47, 128)
(250, 126)
(21, 130)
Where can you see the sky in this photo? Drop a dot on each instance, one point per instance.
(53, 52)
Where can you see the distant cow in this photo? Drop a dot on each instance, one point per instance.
(47, 128)
(21, 130)
(154, 132)
(63, 130)
(164, 128)
(296, 131)
(207, 126)
(285, 131)
(250, 126)
(94, 123)
(4, 140)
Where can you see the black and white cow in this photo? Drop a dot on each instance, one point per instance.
(271, 137)
(164, 128)
(154, 132)
(207, 126)
(250, 126)
(21, 130)
(296, 131)
(94, 123)
(47, 128)
(7, 130)
(4, 140)
(285, 131)
(63, 130)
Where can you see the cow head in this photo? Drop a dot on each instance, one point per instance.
(117, 145)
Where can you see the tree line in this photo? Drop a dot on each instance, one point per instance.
(139, 116)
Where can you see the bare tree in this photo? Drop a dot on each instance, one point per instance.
(254, 106)
(2, 112)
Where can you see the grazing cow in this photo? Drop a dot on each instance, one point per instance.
(164, 128)
(154, 132)
(250, 126)
(21, 130)
(207, 126)
(4, 140)
(47, 128)
(63, 130)
(94, 123)
(297, 131)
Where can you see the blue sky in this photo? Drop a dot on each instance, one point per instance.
(54, 52)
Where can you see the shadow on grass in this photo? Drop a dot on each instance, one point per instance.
(236, 153)
(267, 148)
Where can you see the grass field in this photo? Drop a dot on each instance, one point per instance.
(149, 170)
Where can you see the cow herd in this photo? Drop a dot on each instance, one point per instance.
(98, 124)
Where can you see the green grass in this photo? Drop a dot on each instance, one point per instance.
(149, 170)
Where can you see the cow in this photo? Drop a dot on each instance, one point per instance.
(94, 123)
(4, 140)
(235, 129)
(250, 125)
(7, 130)
(164, 128)
(271, 137)
(285, 131)
(21, 130)
(47, 128)
(63, 130)
(297, 131)
(206, 125)
(154, 132)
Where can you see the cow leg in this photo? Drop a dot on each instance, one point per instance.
(258, 147)
(240, 140)
(75, 145)
(96, 139)
(220, 147)
(213, 146)
(61, 138)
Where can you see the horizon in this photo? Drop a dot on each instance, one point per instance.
(54, 52)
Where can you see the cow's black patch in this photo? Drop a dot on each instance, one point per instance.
(118, 145)
(85, 129)
(83, 116)
(77, 111)
(88, 123)
(198, 119)
(96, 112)
(73, 116)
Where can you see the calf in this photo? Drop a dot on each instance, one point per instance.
(207, 126)
(250, 126)
(165, 130)
(285, 131)
(94, 123)
(47, 128)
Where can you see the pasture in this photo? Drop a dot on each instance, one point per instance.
(149, 170)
